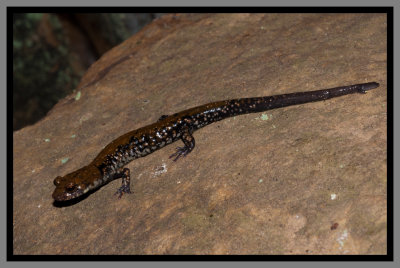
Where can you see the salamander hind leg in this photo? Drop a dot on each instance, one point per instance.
(188, 141)
(126, 179)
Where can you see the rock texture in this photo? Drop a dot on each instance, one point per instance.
(307, 179)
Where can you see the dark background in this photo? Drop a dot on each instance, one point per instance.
(51, 52)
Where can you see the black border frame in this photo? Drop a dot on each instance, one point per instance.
(390, 154)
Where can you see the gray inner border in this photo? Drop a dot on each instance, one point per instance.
(3, 134)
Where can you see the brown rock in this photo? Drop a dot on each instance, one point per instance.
(251, 186)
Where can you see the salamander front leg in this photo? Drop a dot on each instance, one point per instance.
(125, 174)
(188, 141)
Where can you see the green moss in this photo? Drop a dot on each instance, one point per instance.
(264, 117)
(41, 71)
(17, 44)
(78, 95)
(34, 16)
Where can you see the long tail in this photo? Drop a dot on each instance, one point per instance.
(277, 101)
(208, 113)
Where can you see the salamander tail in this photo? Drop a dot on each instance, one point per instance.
(368, 86)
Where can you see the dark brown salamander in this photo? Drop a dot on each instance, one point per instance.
(108, 165)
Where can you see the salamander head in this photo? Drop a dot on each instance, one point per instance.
(76, 183)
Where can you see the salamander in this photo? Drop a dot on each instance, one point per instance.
(109, 164)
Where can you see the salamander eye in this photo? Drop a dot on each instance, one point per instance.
(57, 181)
(71, 187)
